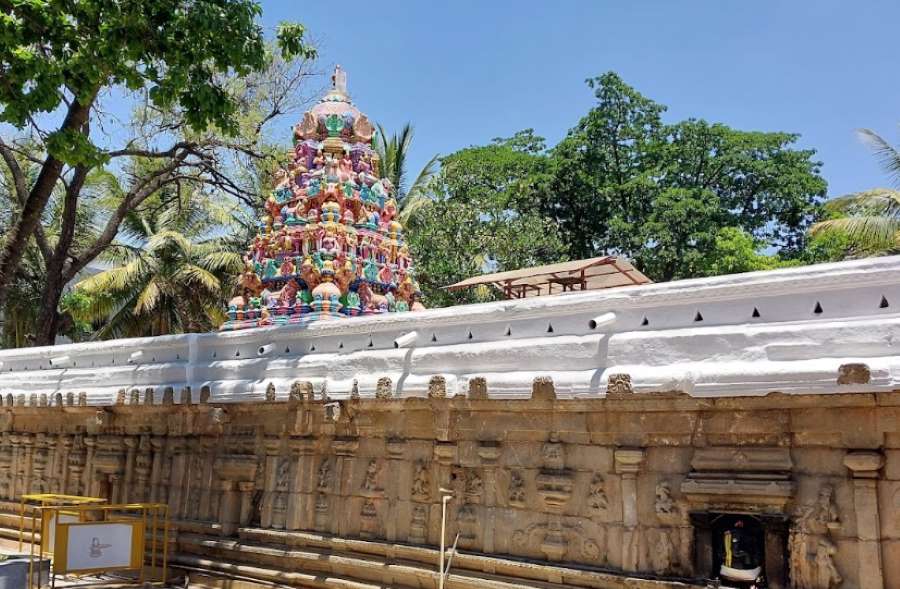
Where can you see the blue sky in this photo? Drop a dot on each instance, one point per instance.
(466, 71)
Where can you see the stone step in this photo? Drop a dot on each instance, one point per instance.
(273, 561)
(531, 573)
(206, 573)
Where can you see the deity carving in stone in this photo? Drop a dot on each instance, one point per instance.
(474, 487)
(516, 489)
(597, 502)
(821, 514)
(827, 576)
(418, 524)
(370, 483)
(421, 481)
(324, 482)
(663, 553)
(812, 552)
(664, 504)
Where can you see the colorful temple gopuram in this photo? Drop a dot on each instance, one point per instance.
(330, 244)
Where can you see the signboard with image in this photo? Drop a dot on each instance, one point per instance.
(85, 547)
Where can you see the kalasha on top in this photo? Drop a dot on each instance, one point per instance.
(329, 244)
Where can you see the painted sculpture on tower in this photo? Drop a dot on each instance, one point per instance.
(329, 243)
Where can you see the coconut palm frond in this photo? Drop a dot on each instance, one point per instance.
(115, 279)
(425, 176)
(881, 201)
(870, 233)
(148, 298)
(199, 276)
(167, 238)
(220, 260)
(887, 154)
(412, 205)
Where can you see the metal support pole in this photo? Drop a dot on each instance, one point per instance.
(446, 496)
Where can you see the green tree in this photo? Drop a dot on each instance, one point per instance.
(57, 62)
(483, 218)
(393, 152)
(735, 251)
(624, 182)
(161, 152)
(171, 273)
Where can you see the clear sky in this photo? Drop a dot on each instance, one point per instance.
(464, 72)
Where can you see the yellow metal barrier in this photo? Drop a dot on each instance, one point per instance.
(100, 538)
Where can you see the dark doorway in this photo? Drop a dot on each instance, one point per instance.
(738, 543)
(754, 540)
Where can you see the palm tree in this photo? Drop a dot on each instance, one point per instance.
(171, 268)
(393, 151)
(869, 219)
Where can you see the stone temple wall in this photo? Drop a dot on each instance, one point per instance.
(625, 484)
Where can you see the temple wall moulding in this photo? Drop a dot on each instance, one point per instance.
(642, 487)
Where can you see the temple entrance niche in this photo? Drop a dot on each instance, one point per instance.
(738, 549)
(741, 550)
(739, 500)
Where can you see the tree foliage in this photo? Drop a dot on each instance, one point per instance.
(170, 273)
(188, 64)
(625, 182)
(682, 199)
(484, 218)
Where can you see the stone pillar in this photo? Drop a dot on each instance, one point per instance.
(62, 468)
(126, 491)
(177, 477)
(489, 452)
(7, 468)
(38, 482)
(345, 452)
(206, 512)
(157, 444)
(230, 510)
(16, 459)
(246, 489)
(87, 480)
(236, 474)
(270, 470)
(446, 454)
(76, 465)
(27, 463)
(864, 466)
(397, 485)
(141, 486)
(300, 506)
(628, 463)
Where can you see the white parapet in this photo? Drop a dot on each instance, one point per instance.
(816, 329)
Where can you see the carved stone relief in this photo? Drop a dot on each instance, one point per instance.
(810, 547)
(370, 482)
(516, 489)
(421, 482)
(596, 501)
(418, 527)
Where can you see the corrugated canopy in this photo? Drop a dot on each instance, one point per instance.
(590, 274)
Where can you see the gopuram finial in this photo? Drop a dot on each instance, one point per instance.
(339, 80)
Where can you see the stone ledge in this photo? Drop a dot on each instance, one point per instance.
(422, 559)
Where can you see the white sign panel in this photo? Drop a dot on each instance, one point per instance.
(64, 518)
(101, 545)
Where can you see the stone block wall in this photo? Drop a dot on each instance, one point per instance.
(631, 483)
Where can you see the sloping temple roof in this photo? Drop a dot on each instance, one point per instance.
(589, 274)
